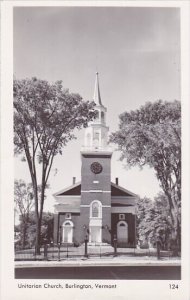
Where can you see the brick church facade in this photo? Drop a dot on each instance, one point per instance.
(95, 207)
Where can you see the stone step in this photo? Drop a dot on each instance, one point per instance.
(99, 245)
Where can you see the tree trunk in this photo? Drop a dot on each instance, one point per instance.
(24, 235)
(40, 214)
(174, 217)
(38, 226)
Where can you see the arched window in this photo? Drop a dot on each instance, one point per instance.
(102, 116)
(97, 116)
(96, 209)
(96, 135)
(67, 224)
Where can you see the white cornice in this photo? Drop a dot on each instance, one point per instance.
(90, 151)
(67, 196)
(128, 209)
(95, 191)
(85, 205)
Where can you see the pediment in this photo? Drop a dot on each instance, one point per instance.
(117, 190)
(73, 190)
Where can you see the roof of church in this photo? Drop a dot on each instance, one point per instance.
(75, 190)
(97, 97)
(117, 190)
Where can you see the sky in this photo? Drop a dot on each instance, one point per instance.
(136, 51)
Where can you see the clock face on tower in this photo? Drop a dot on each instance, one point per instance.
(96, 167)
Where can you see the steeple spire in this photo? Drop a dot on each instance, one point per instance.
(96, 134)
(97, 97)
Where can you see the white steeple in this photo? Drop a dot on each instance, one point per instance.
(96, 134)
(97, 97)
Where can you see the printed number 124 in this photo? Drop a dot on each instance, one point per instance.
(173, 286)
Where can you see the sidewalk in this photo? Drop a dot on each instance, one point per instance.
(103, 261)
(98, 256)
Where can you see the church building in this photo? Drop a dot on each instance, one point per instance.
(95, 207)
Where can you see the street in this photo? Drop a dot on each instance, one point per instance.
(100, 272)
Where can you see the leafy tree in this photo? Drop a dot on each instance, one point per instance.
(24, 201)
(30, 235)
(151, 136)
(46, 228)
(153, 220)
(45, 116)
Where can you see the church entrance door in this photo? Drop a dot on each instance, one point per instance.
(95, 234)
(122, 232)
(67, 232)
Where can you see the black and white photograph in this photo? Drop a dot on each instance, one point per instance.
(99, 175)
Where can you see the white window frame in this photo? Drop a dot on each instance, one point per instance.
(70, 225)
(121, 216)
(99, 208)
(68, 216)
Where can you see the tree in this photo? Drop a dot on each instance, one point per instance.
(30, 235)
(45, 116)
(24, 201)
(153, 220)
(46, 228)
(151, 136)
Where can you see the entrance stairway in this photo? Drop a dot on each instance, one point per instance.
(94, 248)
(97, 249)
(99, 245)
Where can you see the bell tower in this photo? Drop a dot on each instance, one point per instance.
(96, 155)
(97, 132)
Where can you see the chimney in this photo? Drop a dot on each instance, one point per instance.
(117, 180)
(74, 180)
